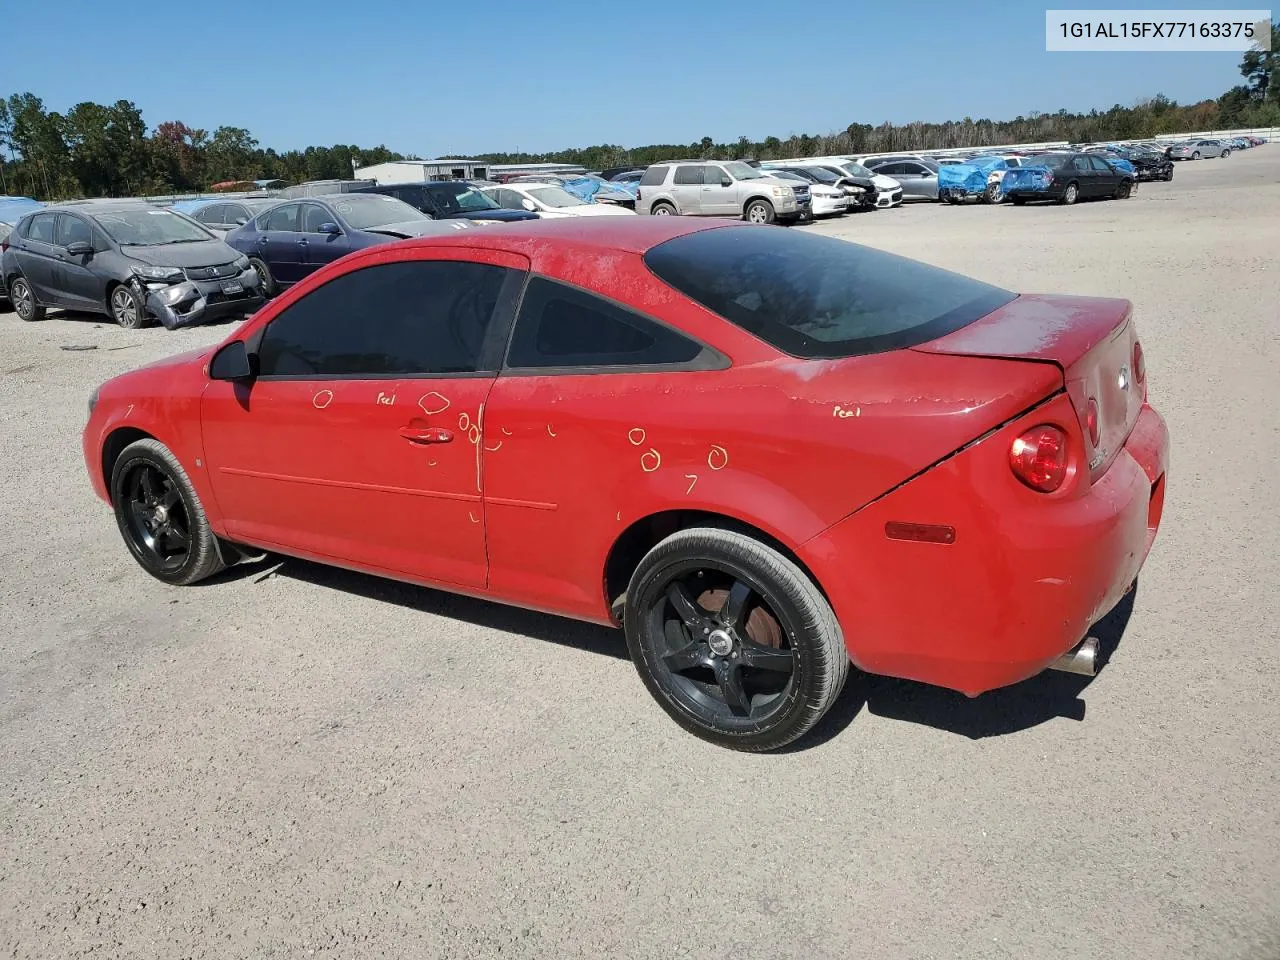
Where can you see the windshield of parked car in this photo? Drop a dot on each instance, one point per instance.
(814, 296)
(818, 174)
(150, 228)
(369, 211)
(456, 197)
(555, 197)
(856, 169)
(742, 171)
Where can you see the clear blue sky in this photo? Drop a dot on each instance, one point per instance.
(540, 75)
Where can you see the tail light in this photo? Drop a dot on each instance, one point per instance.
(1039, 458)
(1139, 363)
(1091, 422)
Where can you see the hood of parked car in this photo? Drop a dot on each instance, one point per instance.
(202, 253)
(885, 183)
(506, 216)
(420, 228)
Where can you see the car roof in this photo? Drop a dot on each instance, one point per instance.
(95, 208)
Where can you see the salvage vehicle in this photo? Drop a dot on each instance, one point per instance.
(825, 200)
(551, 202)
(979, 178)
(888, 190)
(1145, 164)
(1066, 178)
(294, 239)
(919, 178)
(702, 188)
(763, 453)
(859, 191)
(451, 199)
(1199, 149)
(222, 216)
(130, 261)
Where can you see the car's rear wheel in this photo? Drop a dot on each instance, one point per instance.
(1070, 195)
(662, 210)
(160, 517)
(127, 308)
(24, 301)
(266, 283)
(1226, 153)
(733, 640)
(759, 211)
(1196, 155)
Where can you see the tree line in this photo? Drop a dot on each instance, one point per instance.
(98, 150)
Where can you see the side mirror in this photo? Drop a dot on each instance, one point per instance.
(231, 363)
(528, 205)
(332, 229)
(79, 249)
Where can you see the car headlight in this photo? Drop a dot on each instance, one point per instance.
(783, 192)
(242, 262)
(156, 273)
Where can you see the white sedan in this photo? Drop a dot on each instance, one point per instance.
(549, 201)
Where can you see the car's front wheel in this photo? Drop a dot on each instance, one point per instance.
(759, 211)
(127, 308)
(160, 517)
(733, 639)
(24, 301)
(1124, 191)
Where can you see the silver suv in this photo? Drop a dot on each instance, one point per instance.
(720, 189)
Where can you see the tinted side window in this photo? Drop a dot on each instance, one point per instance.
(283, 218)
(234, 213)
(1100, 165)
(688, 175)
(889, 169)
(312, 216)
(40, 228)
(1080, 164)
(654, 176)
(72, 230)
(414, 318)
(561, 326)
(714, 176)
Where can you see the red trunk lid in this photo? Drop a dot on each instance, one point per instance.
(1090, 339)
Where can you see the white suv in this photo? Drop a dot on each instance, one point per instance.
(721, 189)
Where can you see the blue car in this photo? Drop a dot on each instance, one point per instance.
(294, 239)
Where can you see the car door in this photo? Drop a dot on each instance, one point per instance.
(74, 276)
(1106, 177)
(719, 194)
(319, 248)
(359, 441)
(564, 434)
(1082, 173)
(686, 188)
(277, 243)
(35, 252)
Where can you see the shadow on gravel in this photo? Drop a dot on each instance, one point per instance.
(482, 613)
(1046, 696)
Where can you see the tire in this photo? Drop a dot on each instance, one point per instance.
(1225, 154)
(992, 194)
(662, 209)
(127, 308)
(1018, 201)
(1168, 177)
(160, 517)
(1070, 195)
(748, 655)
(266, 282)
(24, 301)
(759, 211)
(1196, 155)
(1124, 191)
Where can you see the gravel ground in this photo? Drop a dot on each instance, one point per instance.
(297, 761)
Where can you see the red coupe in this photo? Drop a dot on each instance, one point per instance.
(763, 453)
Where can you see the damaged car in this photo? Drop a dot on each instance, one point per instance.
(133, 262)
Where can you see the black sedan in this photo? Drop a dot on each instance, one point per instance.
(131, 261)
(1066, 178)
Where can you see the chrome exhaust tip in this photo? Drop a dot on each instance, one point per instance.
(1083, 660)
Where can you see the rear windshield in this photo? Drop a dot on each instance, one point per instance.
(813, 296)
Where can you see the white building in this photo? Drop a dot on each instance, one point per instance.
(416, 171)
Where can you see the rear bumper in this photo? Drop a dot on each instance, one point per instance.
(1025, 578)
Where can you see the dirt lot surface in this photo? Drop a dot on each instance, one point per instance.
(319, 763)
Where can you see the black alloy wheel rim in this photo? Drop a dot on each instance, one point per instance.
(717, 646)
(261, 271)
(156, 519)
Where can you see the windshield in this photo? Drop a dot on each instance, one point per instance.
(555, 197)
(820, 174)
(814, 296)
(741, 171)
(857, 169)
(151, 228)
(364, 213)
(460, 196)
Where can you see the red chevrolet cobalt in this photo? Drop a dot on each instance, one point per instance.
(764, 453)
